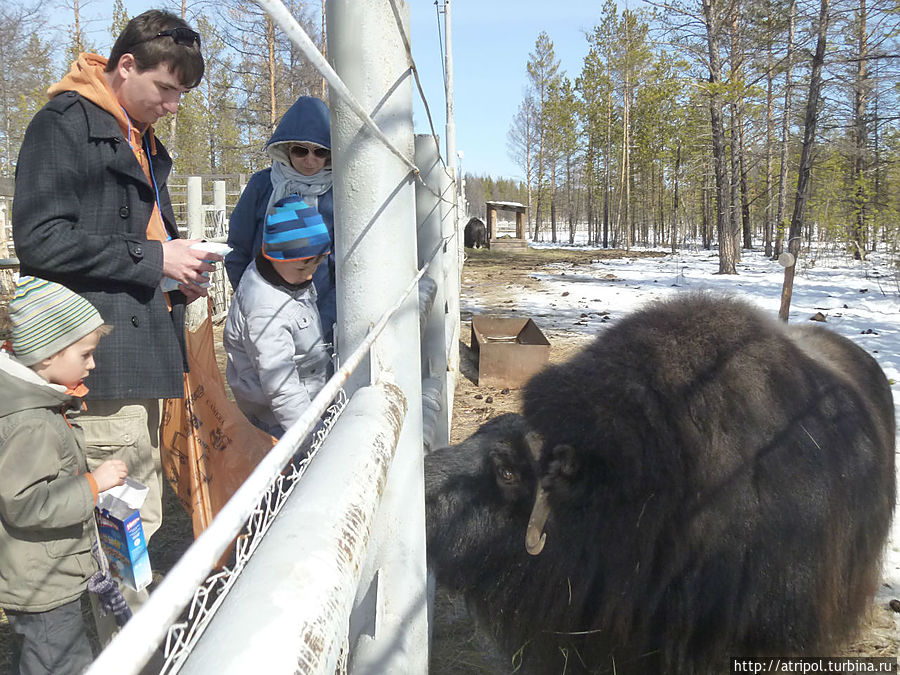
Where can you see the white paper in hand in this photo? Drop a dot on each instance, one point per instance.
(123, 499)
(168, 284)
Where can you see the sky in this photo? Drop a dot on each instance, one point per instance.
(491, 42)
(859, 300)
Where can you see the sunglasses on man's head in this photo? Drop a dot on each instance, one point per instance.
(182, 36)
(302, 151)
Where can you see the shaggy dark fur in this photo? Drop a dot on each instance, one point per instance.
(475, 234)
(717, 484)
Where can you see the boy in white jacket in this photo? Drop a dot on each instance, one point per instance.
(277, 359)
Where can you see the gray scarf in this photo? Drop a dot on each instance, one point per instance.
(286, 181)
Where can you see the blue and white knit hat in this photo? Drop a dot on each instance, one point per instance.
(294, 231)
(46, 318)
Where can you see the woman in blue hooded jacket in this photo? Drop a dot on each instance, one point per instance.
(300, 150)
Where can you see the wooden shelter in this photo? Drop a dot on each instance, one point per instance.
(506, 242)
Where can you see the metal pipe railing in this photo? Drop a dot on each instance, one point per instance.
(298, 588)
(133, 646)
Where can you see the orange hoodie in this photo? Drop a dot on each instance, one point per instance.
(86, 77)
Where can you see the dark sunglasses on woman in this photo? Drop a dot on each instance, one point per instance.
(303, 151)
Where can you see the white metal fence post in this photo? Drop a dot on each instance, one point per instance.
(376, 259)
(451, 233)
(434, 337)
(194, 207)
(197, 311)
(219, 207)
(297, 590)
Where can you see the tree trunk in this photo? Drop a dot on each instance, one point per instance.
(78, 44)
(734, 211)
(606, 170)
(674, 233)
(589, 205)
(540, 183)
(876, 157)
(212, 136)
(625, 195)
(770, 128)
(859, 165)
(661, 205)
(707, 210)
(803, 178)
(745, 189)
(785, 132)
(553, 211)
(270, 42)
(528, 178)
(736, 138)
(713, 32)
(571, 213)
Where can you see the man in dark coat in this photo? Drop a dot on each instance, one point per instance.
(92, 212)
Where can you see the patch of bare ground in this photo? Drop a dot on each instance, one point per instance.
(495, 283)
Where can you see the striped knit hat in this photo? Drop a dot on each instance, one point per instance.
(294, 231)
(46, 318)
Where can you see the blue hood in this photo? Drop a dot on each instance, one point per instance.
(308, 120)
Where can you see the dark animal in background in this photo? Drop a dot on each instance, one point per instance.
(702, 482)
(475, 234)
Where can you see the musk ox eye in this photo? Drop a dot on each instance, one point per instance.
(506, 475)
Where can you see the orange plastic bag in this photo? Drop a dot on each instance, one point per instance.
(208, 446)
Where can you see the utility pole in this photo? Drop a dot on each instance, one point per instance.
(448, 61)
(324, 49)
(453, 264)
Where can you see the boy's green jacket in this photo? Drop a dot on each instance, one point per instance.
(46, 502)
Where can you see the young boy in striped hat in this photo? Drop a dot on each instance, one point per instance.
(277, 359)
(47, 495)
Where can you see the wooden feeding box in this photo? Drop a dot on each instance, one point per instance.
(509, 351)
(505, 243)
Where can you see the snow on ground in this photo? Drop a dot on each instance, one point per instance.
(860, 300)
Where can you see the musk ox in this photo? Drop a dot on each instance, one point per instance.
(474, 234)
(700, 482)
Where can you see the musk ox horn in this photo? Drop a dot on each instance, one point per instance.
(535, 537)
(535, 442)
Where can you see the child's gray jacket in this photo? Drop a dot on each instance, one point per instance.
(46, 502)
(277, 359)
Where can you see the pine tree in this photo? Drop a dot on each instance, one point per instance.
(26, 71)
(521, 140)
(600, 116)
(78, 38)
(543, 74)
(120, 19)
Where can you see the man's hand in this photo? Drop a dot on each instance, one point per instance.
(193, 291)
(187, 265)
